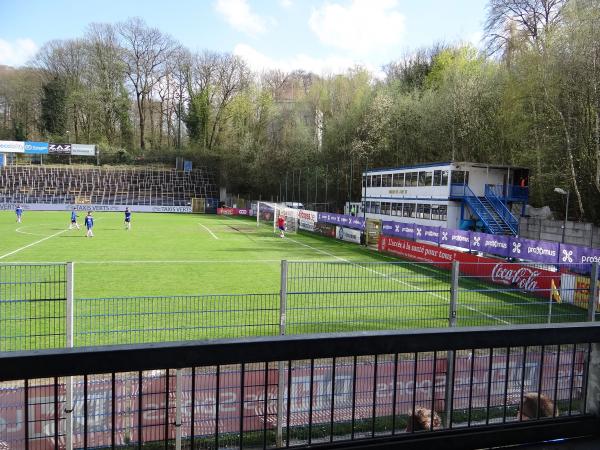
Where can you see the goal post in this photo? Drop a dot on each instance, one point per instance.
(267, 213)
(198, 205)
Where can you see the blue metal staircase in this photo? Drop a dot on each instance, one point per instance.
(492, 197)
(494, 219)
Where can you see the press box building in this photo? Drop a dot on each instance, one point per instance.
(457, 195)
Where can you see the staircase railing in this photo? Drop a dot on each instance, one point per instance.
(490, 223)
(501, 209)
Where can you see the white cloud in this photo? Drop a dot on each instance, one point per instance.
(286, 3)
(260, 62)
(18, 52)
(363, 26)
(239, 15)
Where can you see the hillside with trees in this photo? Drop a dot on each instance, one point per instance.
(530, 97)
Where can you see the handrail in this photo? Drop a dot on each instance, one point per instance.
(477, 206)
(501, 208)
(359, 383)
(174, 355)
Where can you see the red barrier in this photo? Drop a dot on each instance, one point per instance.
(232, 212)
(527, 278)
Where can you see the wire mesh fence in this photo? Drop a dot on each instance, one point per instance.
(315, 297)
(132, 320)
(352, 296)
(516, 293)
(32, 306)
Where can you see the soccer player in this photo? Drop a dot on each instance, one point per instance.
(19, 212)
(281, 226)
(74, 223)
(89, 224)
(127, 219)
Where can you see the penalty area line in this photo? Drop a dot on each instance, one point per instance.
(208, 229)
(32, 244)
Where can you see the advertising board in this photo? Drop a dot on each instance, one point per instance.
(348, 234)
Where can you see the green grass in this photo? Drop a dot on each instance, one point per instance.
(187, 258)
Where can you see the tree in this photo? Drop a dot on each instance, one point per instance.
(146, 51)
(54, 107)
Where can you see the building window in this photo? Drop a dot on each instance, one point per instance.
(386, 180)
(376, 180)
(460, 177)
(426, 212)
(425, 178)
(443, 212)
(420, 211)
(385, 208)
(411, 178)
(435, 212)
(377, 207)
(398, 180)
(397, 209)
(409, 210)
(444, 178)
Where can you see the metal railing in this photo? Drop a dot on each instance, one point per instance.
(489, 221)
(501, 209)
(33, 305)
(345, 390)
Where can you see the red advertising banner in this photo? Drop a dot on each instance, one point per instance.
(527, 278)
(232, 212)
(478, 382)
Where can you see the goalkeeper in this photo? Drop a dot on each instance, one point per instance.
(281, 226)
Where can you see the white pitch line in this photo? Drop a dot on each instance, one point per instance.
(400, 281)
(18, 230)
(32, 244)
(208, 229)
(192, 261)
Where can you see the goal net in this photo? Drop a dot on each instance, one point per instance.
(267, 214)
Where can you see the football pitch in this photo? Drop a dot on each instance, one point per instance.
(183, 276)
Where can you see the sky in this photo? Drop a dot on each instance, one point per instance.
(322, 36)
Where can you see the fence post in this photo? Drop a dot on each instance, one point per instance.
(452, 319)
(177, 409)
(281, 364)
(68, 408)
(593, 299)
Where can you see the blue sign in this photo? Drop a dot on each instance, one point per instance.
(187, 166)
(36, 148)
(2, 159)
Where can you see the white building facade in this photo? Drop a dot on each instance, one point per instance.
(442, 194)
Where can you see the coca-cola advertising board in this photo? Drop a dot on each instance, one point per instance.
(527, 278)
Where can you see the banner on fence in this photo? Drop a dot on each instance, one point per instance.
(343, 220)
(325, 229)
(491, 384)
(232, 212)
(455, 238)
(83, 150)
(348, 234)
(12, 147)
(534, 280)
(307, 219)
(36, 148)
(427, 233)
(94, 207)
(59, 149)
(538, 251)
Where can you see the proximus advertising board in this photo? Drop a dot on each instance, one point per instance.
(348, 234)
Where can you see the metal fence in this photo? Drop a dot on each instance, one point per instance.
(33, 306)
(474, 387)
(132, 320)
(38, 310)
